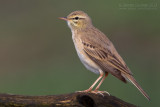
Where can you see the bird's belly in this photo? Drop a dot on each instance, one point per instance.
(87, 62)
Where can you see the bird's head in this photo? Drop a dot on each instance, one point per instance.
(78, 20)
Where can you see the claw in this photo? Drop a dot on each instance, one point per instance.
(100, 92)
(88, 90)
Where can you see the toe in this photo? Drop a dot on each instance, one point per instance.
(88, 90)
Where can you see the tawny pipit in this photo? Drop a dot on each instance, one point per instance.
(97, 52)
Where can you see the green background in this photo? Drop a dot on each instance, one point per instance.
(37, 55)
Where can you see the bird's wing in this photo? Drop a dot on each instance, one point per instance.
(105, 60)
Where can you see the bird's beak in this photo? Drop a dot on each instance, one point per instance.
(63, 18)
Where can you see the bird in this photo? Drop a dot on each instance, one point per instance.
(96, 52)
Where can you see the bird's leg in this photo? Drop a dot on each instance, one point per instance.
(106, 74)
(90, 89)
(96, 90)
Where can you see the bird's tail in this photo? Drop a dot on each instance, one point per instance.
(131, 78)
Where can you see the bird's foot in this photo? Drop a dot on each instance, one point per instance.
(100, 92)
(95, 92)
(85, 91)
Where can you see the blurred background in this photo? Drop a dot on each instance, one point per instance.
(37, 55)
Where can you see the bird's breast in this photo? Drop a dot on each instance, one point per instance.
(87, 62)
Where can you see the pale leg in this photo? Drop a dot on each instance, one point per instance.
(90, 89)
(106, 74)
(101, 92)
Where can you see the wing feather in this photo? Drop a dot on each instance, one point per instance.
(105, 59)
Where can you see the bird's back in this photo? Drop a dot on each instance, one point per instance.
(98, 39)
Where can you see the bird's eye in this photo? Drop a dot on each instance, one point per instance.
(76, 18)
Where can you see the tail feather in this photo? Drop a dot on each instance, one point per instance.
(131, 78)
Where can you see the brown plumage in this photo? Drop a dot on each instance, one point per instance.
(97, 52)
